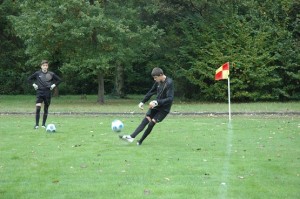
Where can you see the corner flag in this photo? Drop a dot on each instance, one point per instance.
(222, 72)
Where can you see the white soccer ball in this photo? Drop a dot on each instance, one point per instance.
(117, 125)
(51, 128)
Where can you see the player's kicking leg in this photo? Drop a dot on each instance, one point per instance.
(143, 124)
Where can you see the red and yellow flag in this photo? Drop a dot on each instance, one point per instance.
(222, 72)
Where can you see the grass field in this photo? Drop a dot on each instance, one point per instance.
(184, 157)
(68, 103)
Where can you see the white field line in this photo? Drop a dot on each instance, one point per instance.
(224, 184)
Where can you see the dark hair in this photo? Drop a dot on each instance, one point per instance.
(44, 62)
(157, 71)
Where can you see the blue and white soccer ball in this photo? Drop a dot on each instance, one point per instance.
(51, 128)
(117, 125)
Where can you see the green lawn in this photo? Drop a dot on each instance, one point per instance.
(69, 103)
(184, 157)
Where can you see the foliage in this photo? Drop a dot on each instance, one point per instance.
(88, 38)
(250, 35)
(12, 53)
(118, 43)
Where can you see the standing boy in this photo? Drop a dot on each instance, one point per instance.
(43, 82)
(158, 109)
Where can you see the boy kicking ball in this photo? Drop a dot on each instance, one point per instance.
(158, 109)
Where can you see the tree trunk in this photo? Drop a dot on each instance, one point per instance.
(100, 99)
(119, 81)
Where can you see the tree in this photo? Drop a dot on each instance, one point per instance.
(12, 53)
(90, 37)
(205, 34)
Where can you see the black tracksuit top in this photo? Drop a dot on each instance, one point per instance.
(164, 94)
(44, 80)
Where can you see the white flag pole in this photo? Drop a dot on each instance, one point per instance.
(229, 108)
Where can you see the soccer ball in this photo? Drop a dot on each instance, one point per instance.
(51, 128)
(117, 126)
